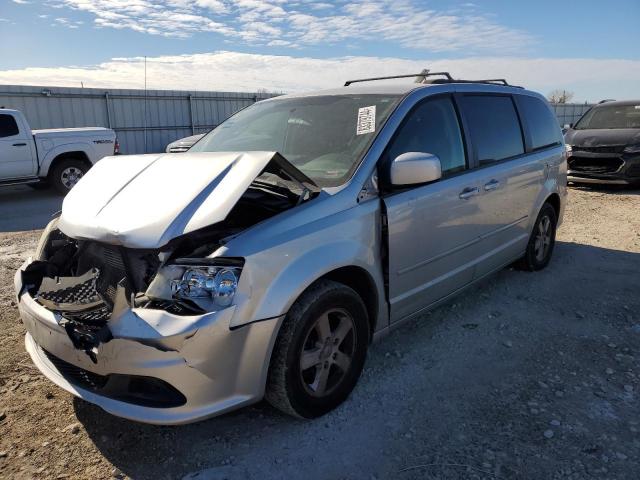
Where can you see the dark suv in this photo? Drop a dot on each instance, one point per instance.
(604, 145)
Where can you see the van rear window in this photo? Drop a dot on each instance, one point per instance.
(541, 123)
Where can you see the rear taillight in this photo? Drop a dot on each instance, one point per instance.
(116, 147)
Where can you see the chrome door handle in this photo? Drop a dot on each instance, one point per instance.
(492, 185)
(469, 192)
(19, 144)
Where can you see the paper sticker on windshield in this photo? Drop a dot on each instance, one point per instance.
(366, 120)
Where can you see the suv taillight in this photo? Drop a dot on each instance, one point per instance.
(116, 147)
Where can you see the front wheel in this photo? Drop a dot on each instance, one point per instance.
(66, 174)
(542, 240)
(320, 351)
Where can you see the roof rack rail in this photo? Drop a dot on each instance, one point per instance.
(422, 78)
(501, 81)
(423, 74)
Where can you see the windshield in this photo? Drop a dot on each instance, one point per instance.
(325, 136)
(612, 116)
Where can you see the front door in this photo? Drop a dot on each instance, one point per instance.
(432, 229)
(15, 151)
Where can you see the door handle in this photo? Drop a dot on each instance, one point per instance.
(492, 185)
(469, 192)
(19, 144)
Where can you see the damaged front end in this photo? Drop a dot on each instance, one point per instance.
(88, 283)
(145, 324)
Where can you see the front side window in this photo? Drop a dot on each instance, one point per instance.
(610, 116)
(494, 127)
(432, 127)
(8, 126)
(542, 124)
(323, 136)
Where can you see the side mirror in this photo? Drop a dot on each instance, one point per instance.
(567, 126)
(415, 167)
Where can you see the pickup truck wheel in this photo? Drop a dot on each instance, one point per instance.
(319, 352)
(67, 173)
(542, 240)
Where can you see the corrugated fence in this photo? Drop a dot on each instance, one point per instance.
(144, 121)
(148, 121)
(568, 113)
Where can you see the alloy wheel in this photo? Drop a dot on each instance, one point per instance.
(327, 352)
(70, 176)
(542, 240)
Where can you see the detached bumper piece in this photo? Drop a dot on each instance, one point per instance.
(133, 389)
(84, 312)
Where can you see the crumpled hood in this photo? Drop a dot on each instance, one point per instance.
(602, 137)
(143, 201)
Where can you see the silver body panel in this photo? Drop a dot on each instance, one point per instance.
(438, 244)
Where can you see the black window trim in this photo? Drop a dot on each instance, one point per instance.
(475, 161)
(527, 129)
(15, 122)
(385, 189)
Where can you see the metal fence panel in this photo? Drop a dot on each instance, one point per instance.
(145, 122)
(568, 113)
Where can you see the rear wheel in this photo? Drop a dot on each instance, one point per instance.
(542, 240)
(320, 351)
(67, 173)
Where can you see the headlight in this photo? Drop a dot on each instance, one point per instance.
(632, 148)
(207, 282)
(568, 148)
(44, 239)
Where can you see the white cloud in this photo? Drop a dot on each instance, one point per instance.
(213, 5)
(407, 23)
(320, 5)
(590, 79)
(66, 22)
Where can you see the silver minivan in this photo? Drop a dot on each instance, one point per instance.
(263, 262)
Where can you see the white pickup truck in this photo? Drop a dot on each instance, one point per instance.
(59, 157)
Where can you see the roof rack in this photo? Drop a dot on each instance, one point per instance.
(422, 78)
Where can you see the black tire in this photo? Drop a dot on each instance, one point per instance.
(287, 384)
(533, 260)
(60, 178)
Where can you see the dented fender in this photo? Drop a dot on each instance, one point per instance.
(280, 263)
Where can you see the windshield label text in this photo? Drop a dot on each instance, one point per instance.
(366, 120)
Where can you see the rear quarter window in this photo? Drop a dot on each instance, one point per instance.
(494, 127)
(8, 126)
(541, 124)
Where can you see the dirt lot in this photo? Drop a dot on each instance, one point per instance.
(531, 376)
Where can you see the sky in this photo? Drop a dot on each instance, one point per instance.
(589, 47)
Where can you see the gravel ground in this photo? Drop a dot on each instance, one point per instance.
(529, 375)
